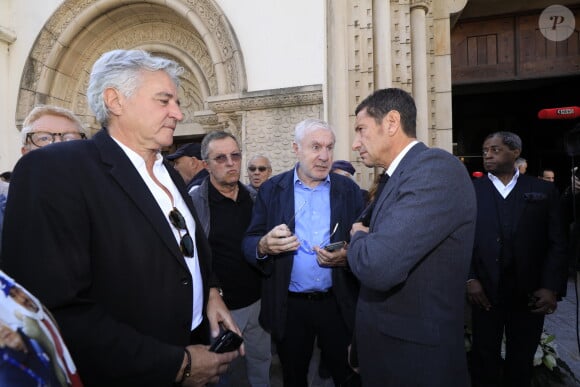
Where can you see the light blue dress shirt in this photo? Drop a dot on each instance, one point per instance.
(312, 220)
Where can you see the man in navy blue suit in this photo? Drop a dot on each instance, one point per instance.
(518, 267)
(309, 293)
(413, 256)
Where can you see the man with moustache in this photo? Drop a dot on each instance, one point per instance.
(519, 264)
(413, 258)
(224, 206)
(110, 242)
(309, 293)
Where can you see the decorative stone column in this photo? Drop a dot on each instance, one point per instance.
(443, 11)
(382, 44)
(9, 144)
(419, 10)
(337, 105)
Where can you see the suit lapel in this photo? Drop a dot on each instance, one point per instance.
(394, 180)
(286, 201)
(287, 212)
(337, 200)
(522, 185)
(123, 171)
(487, 202)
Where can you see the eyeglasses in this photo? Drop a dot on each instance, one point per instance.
(305, 245)
(41, 139)
(222, 159)
(178, 221)
(261, 168)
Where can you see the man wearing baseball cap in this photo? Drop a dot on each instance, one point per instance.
(188, 162)
(343, 167)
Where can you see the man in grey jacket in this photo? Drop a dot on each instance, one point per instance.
(224, 206)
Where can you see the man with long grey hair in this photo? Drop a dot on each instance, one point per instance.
(118, 255)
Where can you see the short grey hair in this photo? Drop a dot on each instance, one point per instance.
(121, 70)
(49, 110)
(308, 125)
(212, 136)
(260, 156)
(512, 140)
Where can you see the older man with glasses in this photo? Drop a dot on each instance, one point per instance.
(46, 124)
(259, 170)
(109, 240)
(224, 206)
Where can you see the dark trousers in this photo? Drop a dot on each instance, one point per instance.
(522, 330)
(307, 320)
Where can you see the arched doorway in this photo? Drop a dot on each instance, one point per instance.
(195, 34)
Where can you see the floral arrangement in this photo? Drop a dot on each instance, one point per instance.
(549, 369)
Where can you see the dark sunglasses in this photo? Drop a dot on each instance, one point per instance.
(178, 221)
(253, 168)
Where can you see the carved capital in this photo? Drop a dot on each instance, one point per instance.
(293, 96)
(421, 4)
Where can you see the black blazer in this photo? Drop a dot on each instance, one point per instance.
(85, 235)
(539, 242)
(275, 205)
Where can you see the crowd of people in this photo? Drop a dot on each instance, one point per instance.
(142, 260)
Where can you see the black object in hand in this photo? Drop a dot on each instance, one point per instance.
(335, 246)
(226, 342)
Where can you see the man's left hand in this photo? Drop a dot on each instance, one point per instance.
(335, 258)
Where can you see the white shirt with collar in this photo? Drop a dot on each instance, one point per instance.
(399, 157)
(166, 206)
(504, 190)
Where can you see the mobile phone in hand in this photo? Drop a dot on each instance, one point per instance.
(228, 341)
(335, 246)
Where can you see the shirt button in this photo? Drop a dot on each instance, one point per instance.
(185, 281)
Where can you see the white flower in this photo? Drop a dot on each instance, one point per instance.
(538, 356)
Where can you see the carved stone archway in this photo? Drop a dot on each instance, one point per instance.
(195, 33)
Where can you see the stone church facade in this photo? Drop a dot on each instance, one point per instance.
(368, 44)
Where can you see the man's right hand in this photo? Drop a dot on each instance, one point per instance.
(278, 240)
(476, 295)
(206, 366)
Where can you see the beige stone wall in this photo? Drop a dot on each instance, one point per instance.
(264, 121)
